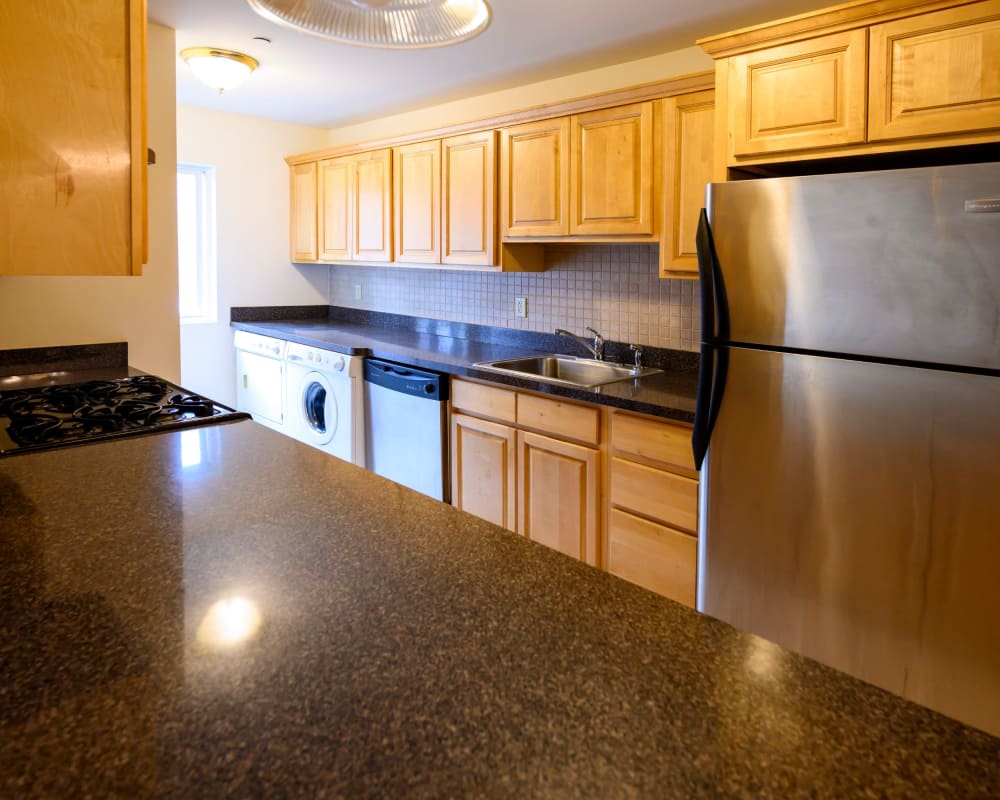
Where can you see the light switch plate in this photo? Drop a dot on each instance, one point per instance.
(520, 306)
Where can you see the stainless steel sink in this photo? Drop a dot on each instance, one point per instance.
(567, 370)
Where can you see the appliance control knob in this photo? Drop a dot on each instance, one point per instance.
(338, 364)
(428, 389)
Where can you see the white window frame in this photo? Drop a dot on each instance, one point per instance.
(205, 268)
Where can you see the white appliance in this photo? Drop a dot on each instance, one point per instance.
(324, 398)
(260, 370)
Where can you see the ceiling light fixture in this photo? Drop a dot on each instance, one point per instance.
(381, 23)
(217, 68)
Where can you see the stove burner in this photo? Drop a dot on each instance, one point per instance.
(54, 415)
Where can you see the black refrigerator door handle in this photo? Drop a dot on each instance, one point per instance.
(715, 329)
(700, 432)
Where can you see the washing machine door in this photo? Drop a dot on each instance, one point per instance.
(318, 408)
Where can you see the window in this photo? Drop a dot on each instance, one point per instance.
(196, 242)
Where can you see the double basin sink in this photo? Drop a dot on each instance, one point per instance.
(584, 373)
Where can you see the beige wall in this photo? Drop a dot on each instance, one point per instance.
(617, 76)
(252, 215)
(46, 311)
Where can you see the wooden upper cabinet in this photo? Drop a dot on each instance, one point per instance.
(304, 212)
(468, 199)
(688, 122)
(372, 198)
(611, 171)
(534, 178)
(859, 78)
(336, 209)
(936, 73)
(797, 96)
(73, 149)
(416, 198)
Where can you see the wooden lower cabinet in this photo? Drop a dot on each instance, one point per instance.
(483, 472)
(611, 488)
(653, 517)
(557, 494)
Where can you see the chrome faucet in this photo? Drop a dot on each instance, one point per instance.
(596, 349)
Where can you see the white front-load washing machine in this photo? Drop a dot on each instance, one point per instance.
(324, 400)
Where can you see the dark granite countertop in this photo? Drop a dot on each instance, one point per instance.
(454, 348)
(404, 649)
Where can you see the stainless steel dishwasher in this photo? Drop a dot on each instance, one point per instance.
(406, 426)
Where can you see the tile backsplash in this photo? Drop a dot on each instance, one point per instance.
(613, 288)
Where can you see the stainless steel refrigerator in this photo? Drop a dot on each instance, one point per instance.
(850, 407)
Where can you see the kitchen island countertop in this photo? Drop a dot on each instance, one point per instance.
(404, 649)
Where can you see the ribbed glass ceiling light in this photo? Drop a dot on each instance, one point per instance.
(381, 23)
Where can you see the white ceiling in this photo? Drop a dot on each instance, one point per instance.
(311, 81)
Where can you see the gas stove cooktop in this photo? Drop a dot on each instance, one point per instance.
(55, 416)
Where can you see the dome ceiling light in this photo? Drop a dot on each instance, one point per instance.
(217, 68)
(381, 23)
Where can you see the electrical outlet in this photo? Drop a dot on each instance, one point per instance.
(357, 291)
(520, 306)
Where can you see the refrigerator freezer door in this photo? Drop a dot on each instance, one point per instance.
(851, 512)
(901, 264)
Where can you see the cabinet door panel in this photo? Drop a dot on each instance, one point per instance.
(335, 210)
(611, 172)
(468, 203)
(936, 73)
(558, 495)
(656, 557)
(483, 472)
(417, 202)
(688, 164)
(372, 233)
(304, 244)
(534, 178)
(798, 96)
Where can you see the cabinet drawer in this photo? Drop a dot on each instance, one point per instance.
(664, 496)
(664, 442)
(656, 557)
(486, 401)
(556, 418)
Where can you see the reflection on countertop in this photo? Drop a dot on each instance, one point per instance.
(372, 642)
